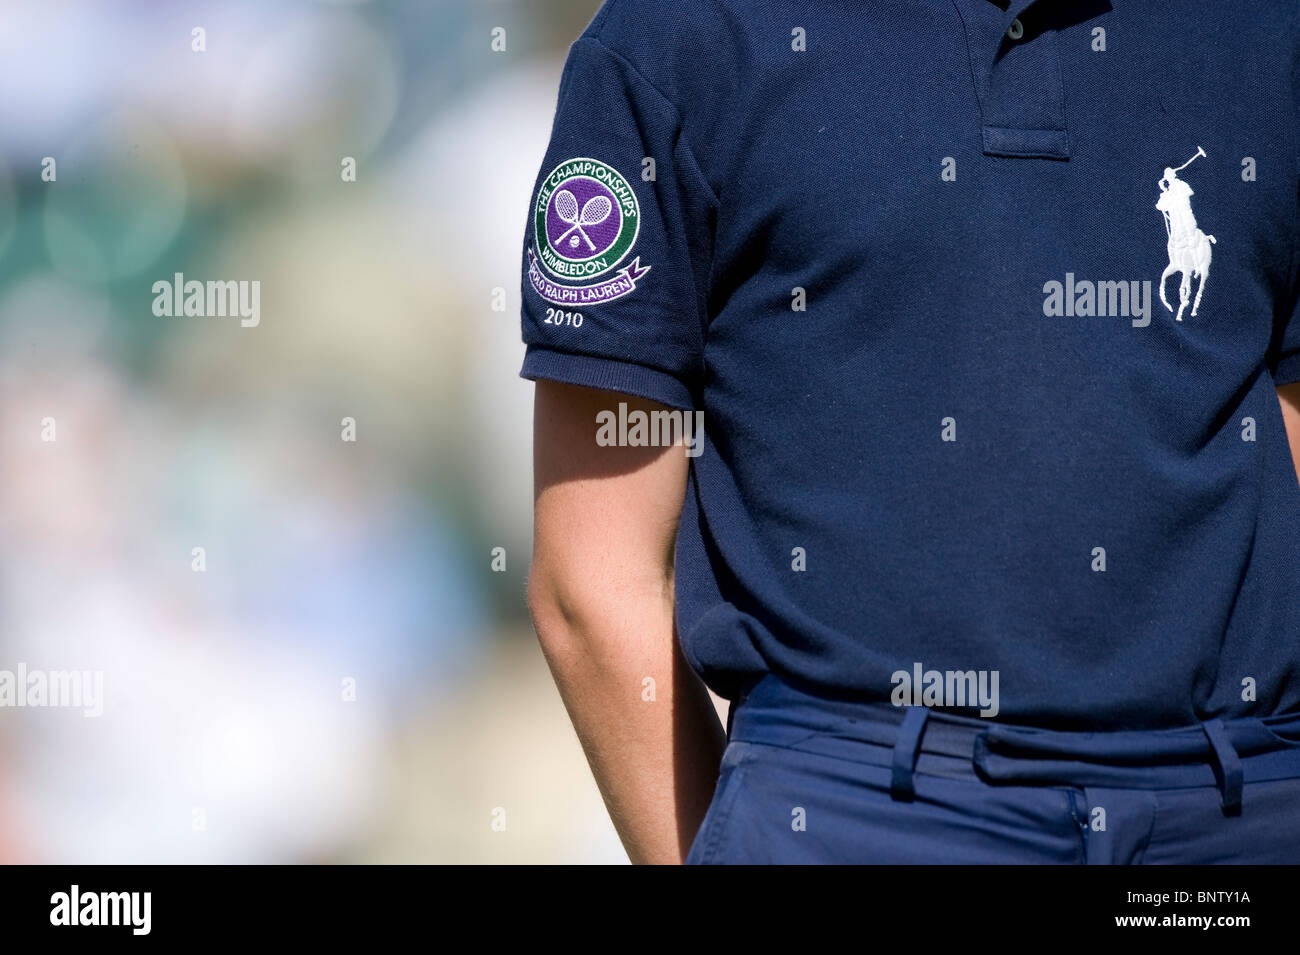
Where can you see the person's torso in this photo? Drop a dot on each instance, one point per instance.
(952, 423)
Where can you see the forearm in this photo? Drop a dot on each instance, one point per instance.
(646, 722)
(1289, 396)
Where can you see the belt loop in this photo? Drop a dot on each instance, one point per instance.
(906, 746)
(1227, 766)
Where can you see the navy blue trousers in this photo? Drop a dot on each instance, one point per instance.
(807, 780)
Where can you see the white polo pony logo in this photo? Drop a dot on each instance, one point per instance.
(1189, 247)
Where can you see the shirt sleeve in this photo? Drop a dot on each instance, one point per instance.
(618, 242)
(1285, 363)
(1287, 367)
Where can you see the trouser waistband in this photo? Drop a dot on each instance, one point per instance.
(1216, 752)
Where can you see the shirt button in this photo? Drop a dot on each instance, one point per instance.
(1016, 30)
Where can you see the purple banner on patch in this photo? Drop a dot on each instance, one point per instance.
(620, 285)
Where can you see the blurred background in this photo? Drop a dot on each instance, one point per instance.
(340, 674)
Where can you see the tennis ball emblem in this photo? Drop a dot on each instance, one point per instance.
(586, 219)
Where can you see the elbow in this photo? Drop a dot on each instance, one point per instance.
(560, 608)
(545, 607)
(593, 611)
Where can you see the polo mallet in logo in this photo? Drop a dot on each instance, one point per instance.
(1164, 184)
(594, 211)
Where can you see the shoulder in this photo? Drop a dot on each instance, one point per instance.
(633, 20)
(671, 43)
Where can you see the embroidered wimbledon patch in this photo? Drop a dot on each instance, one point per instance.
(585, 222)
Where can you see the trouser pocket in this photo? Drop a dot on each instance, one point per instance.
(731, 772)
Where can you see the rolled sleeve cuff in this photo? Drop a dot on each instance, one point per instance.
(606, 374)
(1288, 369)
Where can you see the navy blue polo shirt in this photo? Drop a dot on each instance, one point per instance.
(984, 307)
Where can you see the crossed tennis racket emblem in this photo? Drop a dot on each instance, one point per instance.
(594, 211)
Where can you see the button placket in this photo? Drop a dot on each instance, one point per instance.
(1017, 77)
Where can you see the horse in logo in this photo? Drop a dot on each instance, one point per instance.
(1189, 247)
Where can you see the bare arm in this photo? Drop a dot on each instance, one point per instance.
(601, 595)
(1289, 395)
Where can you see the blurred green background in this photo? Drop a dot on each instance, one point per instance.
(227, 734)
